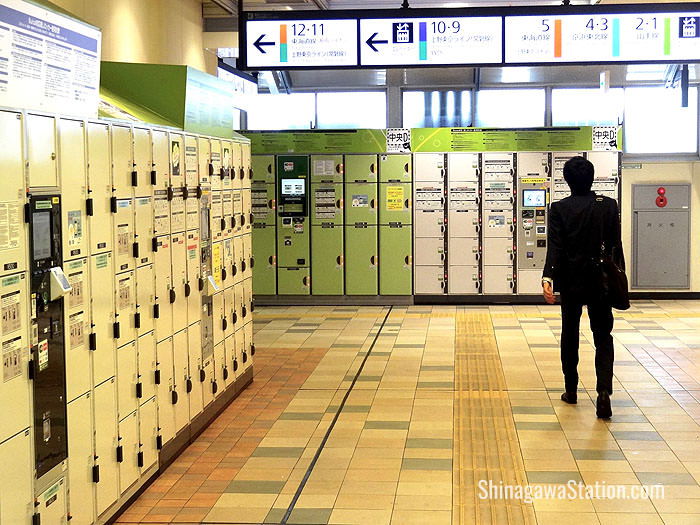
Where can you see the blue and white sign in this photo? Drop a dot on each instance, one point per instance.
(48, 61)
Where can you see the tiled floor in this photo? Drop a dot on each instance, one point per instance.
(431, 415)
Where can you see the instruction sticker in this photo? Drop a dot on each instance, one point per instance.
(10, 225)
(496, 221)
(360, 201)
(124, 293)
(11, 312)
(77, 330)
(324, 167)
(11, 359)
(175, 158)
(75, 227)
(123, 239)
(43, 355)
(76, 295)
(394, 198)
(102, 261)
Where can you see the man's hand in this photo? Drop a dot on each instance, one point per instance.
(548, 293)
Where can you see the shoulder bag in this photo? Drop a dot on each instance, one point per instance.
(614, 285)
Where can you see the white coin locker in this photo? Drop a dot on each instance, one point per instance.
(179, 265)
(73, 175)
(163, 308)
(124, 235)
(177, 160)
(127, 379)
(194, 299)
(41, 151)
(205, 166)
(123, 175)
(128, 451)
(147, 365)
(16, 490)
(227, 213)
(148, 435)
(226, 165)
(194, 346)
(161, 160)
(191, 162)
(99, 173)
(215, 145)
(182, 377)
(106, 442)
(145, 299)
(102, 309)
(166, 393)
(217, 384)
(143, 229)
(125, 297)
(143, 162)
(13, 256)
(81, 500)
(178, 211)
(77, 329)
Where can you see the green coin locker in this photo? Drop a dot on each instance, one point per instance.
(395, 260)
(395, 203)
(361, 261)
(360, 168)
(264, 253)
(361, 203)
(326, 168)
(327, 203)
(293, 281)
(263, 169)
(263, 204)
(395, 168)
(327, 268)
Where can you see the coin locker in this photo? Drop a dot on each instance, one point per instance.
(192, 293)
(232, 365)
(215, 171)
(51, 504)
(220, 317)
(238, 261)
(14, 330)
(233, 309)
(127, 379)
(127, 451)
(161, 160)
(178, 211)
(125, 323)
(81, 460)
(146, 378)
(248, 347)
(192, 210)
(197, 370)
(217, 216)
(429, 223)
(124, 235)
(179, 269)
(166, 393)
(71, 162)
(560, 189)
(227, 213)
(177, 161)
(164, 292)
(102, 310)
(182, 379)
(205, 165)
(226, 161)
(247, 163)
(247, 260)
(148, 435)
(191, 162)
(161, 213)
(143, 162)
(143, 229)
(216, 383)
(246, 214)
(145, 299)
(224, 374)
(99, 176)
(123, 176)
(41, 151)
(236, 219)
(13, 257)
(106, 443)
(16, 490)
(76, 319)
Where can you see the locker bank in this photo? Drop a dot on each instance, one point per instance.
(281, 262)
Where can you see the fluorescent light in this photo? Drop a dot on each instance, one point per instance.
(511, 75)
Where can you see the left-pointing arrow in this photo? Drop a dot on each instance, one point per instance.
(259, 44)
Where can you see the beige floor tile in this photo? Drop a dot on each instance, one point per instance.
(557, 518)
(360, 517)
(421, 517)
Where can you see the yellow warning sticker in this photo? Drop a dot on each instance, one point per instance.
(394, 198)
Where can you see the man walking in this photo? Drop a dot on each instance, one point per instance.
(577, 225)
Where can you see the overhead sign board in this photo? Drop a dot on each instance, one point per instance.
(621, 37)
(431, 41)
(581, 34)
(48, 61)
(301, 43)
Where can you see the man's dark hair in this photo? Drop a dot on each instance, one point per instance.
(578, 174)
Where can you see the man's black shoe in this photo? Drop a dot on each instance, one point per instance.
(603, 410)
(569, 397)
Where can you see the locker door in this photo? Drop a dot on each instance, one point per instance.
(178, 211)
(224, 377)
(99, 174)
(328, 268)
(247, 213)
(147, 365)
(247, 355)
(124, 235)
(143, 161)
(361, 204)
(179, 262)
(226, 160)
(41, 151)
(15, 386)
(102, 316)
(463, 166)
(205, 379)
(264, 251)
(429, 167)
(145, 298)
(143, 230)
(161, 213)
(205, 166)
(163, 309)
(234, 355)
(166, 394)
(230, 348)
(237, 260)
(123, 177)
(81, 499)
(182, 379)
(191, 162)
(217, 261)
(177, 160)
(217, 385)
(395, 260)
(247, 261)
(148, 434)
(327, 204)
(127, 378)
(241, 307)
(463, 279)
(361, 261)
(395, 168)
(77, 323)
(216, 164)
(16, 489)
(499, 252)
(463, 223)
(463, 251)
(395, 204)
(429, 279)
(161, 159)
(232, 308)
(498, 223)
(129, 443)
(216, 216)
(360, 168)
(13, 257)
(194, 345)
(248, 299)
(293, 281)
(227, 213)
(326, 169)
(237, 174)
(194, 300)
(220, 317)
(52, 504)
(498, 280)
(429, 223)
(430, 251)
(106, 442)
(237, 219)
(247, 163)
(72, 164)
(192, 205)
(126, 308)
(264, 169)
(241, 352)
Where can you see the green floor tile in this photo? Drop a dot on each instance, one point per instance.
(255, 487)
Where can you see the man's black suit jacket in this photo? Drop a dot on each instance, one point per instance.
(574, 241)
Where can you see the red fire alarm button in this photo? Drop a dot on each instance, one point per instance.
(661, 201)
(661, 191)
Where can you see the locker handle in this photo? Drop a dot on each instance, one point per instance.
(242, 220)
(407, 203)
(139, 459)
(271, 204)
(174, 397)
(137, 320)
(478, 256)
(201, 284)
(185, 193)
(214, 387)
(244, 311)
(245, 357)
(442, 229)
(27, 213)
(408, 260)
(120, 454)
(154, 177)
(306, 281)
(339, 260)
(159, 442)
(235, 364)
(115, 330)
(442, 285)
(234, 269)
(372, 204)
(92, 341)
(476, 284)
(442, 174)
(36, 517)
(252, 262)
(188, 289)
(241, 173)
(243, 266)
(512, 229)
(134, 178)
(156, 377)
(339, 204)
(372, 168)
(252, 349)
(31, 369)
(225, 373)
(135, 250)
(211, 169)
(223, 224)
(250, 173)
(113, 204)
(199, 192)
(95, 473)
(512, 285)
(271, 260)
(251, 218)
(269, 168)
(478, 229)
(89, 207)
(154, 245)
(171, 193)
(224, 274)
(406, 168)
(139, 390)
(202, 375)
(442, 256)
(222, 172)
(173, 295)
(224, 324)
(233, 222)
(188, 385)
(156, 311)
(512, 256)
(252, 306)
(374, 260)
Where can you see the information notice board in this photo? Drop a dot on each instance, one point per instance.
(48, 61)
